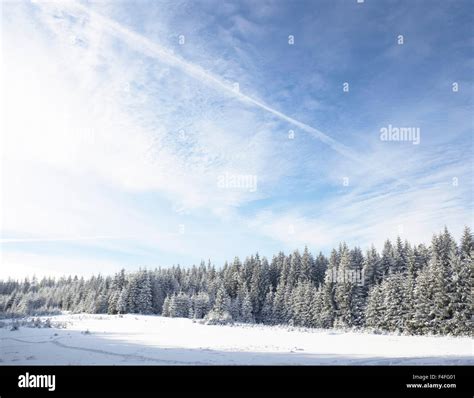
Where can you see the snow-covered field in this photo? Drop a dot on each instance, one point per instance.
(154, 340)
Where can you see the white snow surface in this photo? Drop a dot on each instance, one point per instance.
(155, 340)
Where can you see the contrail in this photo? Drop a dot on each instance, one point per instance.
(157, 51)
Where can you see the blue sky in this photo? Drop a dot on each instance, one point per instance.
(116, 133)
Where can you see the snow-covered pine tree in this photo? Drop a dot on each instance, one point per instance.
(234, 279)
(320, 266)
(173, 308)
(9, 303)
(158, 294)
(316, 306)
(387, 264)
(372, 270)
(180, 305)
(285, 270)
(359, 290)
(423, 316)
(409, 303)
(328, 310)
(79, 295)
(112, 301)
(461, 286)
(298, 305)
(255, 293)
(166, 307)
(267, 310)
(411, 265)
(394, 300)
(279, 304)
(301, 301)
(144, 295)
(101, 301)
(400, 256)
(441, 273)
(201, 305)
(220, 311)
(422, 257)
(358, 304)
(115, 290)
(274, 270)
(246, 314)
(294, 273)
(259, 284)
(466, 247)
(307, 272)
(307, 316)
(235, 308)
(343, 290)
(133, 292)
(375, 308)
(288, 305)
(89, 302)
(122, 303)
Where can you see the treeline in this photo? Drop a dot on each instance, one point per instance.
(407, 288)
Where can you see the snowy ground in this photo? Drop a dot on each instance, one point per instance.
(153, 340)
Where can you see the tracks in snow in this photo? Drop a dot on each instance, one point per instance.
(104, 352)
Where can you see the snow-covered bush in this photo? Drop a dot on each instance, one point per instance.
(218, 318)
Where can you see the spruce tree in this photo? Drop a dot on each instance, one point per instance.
(328, 310)
(316, 308)
(144, 295)
(279, 304)
(267, 310)
(235, 307)
(320, 266)
(441, 275)
(246, 311)
(372, 268)
(375, 309)
(343, 290)
(133, 293)
(201, 305)
(467, 245)
(400, 256)
(166, 307)
(298, 305)
(461, 287)
(387, 264)
(220, 305)
(307, 267)
(394, 299)
(423, 318)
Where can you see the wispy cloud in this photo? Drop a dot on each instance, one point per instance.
(119, 132)
(154, 50)
(53, 239)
